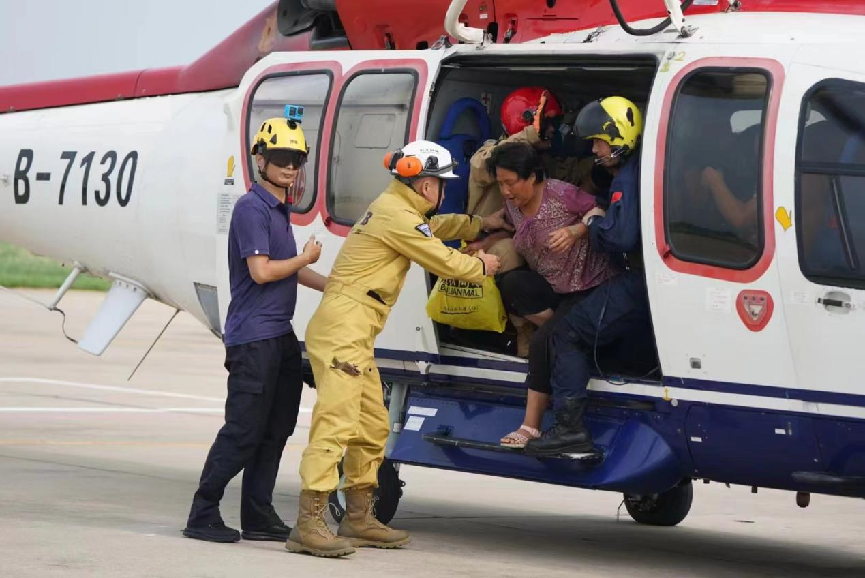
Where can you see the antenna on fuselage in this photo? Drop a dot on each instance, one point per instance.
(676, 18)
(152, 345)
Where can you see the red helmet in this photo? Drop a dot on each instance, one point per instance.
(518, 108)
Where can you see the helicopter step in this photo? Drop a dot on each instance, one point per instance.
(445, 428)
(445, 440)
(843, 484)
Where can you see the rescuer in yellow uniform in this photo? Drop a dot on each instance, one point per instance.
(363, 285)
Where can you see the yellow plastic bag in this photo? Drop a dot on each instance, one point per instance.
(467, 305)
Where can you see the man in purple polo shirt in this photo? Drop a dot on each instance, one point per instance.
(262, 352)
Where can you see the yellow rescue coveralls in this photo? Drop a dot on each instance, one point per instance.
(363, 285)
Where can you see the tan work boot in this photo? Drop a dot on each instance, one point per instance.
(311, 533)
(362, 528)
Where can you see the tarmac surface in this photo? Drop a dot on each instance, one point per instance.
(97, 474)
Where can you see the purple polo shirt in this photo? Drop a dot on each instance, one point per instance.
(260, 225)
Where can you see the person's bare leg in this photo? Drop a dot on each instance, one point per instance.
(540, 318)
(536, 405)
(525, 330)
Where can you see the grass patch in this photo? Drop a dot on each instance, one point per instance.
(20, 268)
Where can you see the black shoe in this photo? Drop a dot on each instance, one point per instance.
(568, 436)
(276, 532)
(217, 532)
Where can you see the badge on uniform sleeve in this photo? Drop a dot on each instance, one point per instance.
(424, 228)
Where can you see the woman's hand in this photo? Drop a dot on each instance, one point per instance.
(485, 243)
(475, 246)
(496, 221)
(539, 113)
(563, 239)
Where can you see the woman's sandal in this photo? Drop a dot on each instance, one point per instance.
(519, 438)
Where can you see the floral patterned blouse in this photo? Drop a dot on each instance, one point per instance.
(577, 269)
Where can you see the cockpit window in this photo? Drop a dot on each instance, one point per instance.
(830, 184)
(713, 179)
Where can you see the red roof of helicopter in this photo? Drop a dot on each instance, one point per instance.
(369, 25)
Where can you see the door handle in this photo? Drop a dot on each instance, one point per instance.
(836, 301)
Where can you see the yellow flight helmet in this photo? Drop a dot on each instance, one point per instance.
(279, 133)
(614, 119)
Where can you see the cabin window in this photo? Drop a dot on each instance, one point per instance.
(373, 118)
(713, 174)
(309, 90)
(830, 184)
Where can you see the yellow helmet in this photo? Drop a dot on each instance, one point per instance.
(279, 133)
(614, 119)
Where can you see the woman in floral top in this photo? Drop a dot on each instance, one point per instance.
(549, 234)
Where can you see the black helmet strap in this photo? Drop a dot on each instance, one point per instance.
(262, 172)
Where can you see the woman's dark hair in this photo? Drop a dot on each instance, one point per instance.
(518, 157)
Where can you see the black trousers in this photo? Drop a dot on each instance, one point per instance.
(526, 292)
(264, 388)
(616, 312)
(541, 346)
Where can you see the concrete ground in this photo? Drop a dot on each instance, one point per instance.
(96, 476)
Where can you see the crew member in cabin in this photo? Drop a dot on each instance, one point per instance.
(722, 188)
(617, 309)
(262, 352)
(349, 415)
